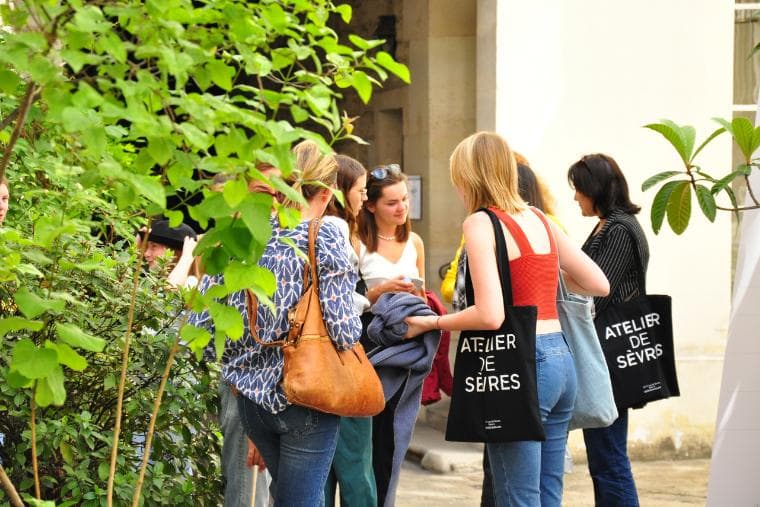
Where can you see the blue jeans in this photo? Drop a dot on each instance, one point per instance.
(297, 445)
(609, 466)
(238, 478)
(529, 473)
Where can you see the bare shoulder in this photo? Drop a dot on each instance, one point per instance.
(416, 240)
(476, 222)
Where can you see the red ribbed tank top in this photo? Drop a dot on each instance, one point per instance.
(534, 276)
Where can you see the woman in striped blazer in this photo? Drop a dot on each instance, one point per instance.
(618, 245)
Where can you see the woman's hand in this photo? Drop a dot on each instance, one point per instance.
(397, 284)
(180, 272)
(419, 325)
(188, 246)
(254, 457)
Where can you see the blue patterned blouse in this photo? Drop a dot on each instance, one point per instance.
(257, 371)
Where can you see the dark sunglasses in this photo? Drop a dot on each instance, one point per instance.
(382, 172)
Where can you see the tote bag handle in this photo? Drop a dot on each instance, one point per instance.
(502, 262)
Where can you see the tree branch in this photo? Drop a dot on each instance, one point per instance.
(23, 109)
(10, 489)
(8, 119)
(35, 467)
(124, 362)
(749, 190)
(738, 208)
(154, 416)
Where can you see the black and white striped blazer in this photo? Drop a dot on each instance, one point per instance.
(621, 250)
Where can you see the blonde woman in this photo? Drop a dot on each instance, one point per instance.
(484, 172)
(296, 443)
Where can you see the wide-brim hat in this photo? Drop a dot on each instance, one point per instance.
(173, 237)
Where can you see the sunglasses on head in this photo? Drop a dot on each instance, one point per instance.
(382, 172)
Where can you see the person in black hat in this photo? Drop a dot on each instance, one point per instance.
(181, 241)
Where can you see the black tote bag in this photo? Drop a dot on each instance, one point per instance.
(637, 341)
(495, 396)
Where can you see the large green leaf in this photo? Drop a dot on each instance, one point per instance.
(196, 138)
(31, 361)
(653, 180)
(238, 276)
(255, 210)
(362, 85)
(725, 181)
(679, 207)
(9, 81)
(17, 380)
(34, 502)
(10, 324)
(160, 149)
(150, 187)
(31, 305)
(706, 202)
(237, 240)
(707, 141)
(227, 320)
(51, 390)
(660, 204)
(48, 228)
(399, 69)
(345, 12)
(196, 338)
(747, 137)
(681, 137)
(68, 356)
(235, 191)
(364, 44)
(221, 74)
(74, 336)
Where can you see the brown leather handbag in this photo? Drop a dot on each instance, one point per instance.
(316, 374)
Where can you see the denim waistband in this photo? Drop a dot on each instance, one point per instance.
(557, 335)
(551, 344)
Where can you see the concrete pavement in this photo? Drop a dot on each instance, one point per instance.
(439, 473)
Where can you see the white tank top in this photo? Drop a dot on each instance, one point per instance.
(374, 266)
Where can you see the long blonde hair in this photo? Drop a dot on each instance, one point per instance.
(314, 169)
(483, 167)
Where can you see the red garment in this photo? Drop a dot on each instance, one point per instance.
(534, 276)
(439, 379)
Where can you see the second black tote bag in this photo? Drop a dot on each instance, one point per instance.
(495, 396)
(637, 340)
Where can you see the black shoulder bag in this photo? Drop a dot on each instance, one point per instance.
(637, 341)
(495, 396)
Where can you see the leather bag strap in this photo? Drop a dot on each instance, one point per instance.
(252, 302)
(313, 231)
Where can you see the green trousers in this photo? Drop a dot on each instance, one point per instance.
(352, 465)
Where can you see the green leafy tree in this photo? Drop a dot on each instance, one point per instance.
(675, 195)
(114, 112)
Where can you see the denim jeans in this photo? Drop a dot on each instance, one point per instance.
(238, 478)
(529, 473)
(609, 466)
(297, 445)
